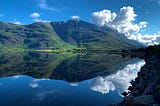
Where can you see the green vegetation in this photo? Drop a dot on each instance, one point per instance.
(28, 37)
(75, 36)
(35, 64)
(91, 37)
(67, 66)
(87, 66)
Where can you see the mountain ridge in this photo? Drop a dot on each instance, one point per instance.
(66, 35)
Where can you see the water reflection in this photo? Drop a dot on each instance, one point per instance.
(27, 91)
(63, 66)
(42, 79)
(74, 84)
(120, 80)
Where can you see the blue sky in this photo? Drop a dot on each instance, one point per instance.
(22, 11)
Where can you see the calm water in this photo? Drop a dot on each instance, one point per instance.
(42, 79)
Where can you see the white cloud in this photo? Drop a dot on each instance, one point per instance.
(34, 82)
(42, 79)
(33, 85)
(148, 39)
(35, 15)
(75, 17)
(16, 77)
(143, 24)
(17, 22)
(124, 22)
(73, 84)
(102, 85)
(44, 5)
(120, 80)
(103, 17)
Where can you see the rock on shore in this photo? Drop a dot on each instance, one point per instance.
(145, 90)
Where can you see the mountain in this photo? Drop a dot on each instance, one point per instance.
(92, 37)
(65, 35)
(34, 36)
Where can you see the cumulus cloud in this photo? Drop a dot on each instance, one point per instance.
(103, 17)
(120, 80)
(147, 39)
(43, 5)
(124, 22)
(36, 17)
(75, 17)
(143, 24)
(102, 85)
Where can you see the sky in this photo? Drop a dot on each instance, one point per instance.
(137, 19)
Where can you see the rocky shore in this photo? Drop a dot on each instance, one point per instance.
(145, 90)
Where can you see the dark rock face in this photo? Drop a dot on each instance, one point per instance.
(144, 100)
(145, 90)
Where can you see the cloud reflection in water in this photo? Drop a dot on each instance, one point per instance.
(120, 80)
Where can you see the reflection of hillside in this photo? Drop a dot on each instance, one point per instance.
(63, 66)
(38, 65)
(85, 67)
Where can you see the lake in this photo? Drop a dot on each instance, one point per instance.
(65, 79)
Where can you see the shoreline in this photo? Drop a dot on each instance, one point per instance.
(145, 90)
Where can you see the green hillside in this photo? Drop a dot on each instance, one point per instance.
(92, 37)
(65, 35)
(33, 36)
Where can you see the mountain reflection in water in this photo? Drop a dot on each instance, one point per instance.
(51, 79)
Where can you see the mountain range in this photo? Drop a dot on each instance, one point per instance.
(62, 35)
